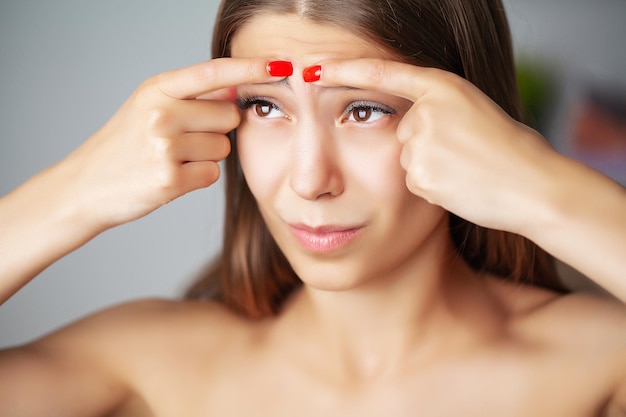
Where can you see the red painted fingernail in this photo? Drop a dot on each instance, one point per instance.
(312, 74)
(280, 68)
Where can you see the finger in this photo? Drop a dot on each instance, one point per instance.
(208, 116)
(195, 147)
(396, 78)
(196, 80)
(197, 175)
(223, 94)
(196, 116)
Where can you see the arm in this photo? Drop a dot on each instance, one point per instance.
(40, 380)
(580, 217)
(39, 225)
(90, 368)
(164, 142)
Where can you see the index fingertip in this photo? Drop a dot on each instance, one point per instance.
(279, 68)
(393, 77)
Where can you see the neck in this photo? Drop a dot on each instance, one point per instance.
(430, 303)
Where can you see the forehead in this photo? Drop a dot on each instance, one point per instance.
(294, 38)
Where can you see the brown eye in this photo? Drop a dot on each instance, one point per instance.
(362, 114)
(366, 112)
(262, 109)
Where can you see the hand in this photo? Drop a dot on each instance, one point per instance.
(164, 142)
(460, 150)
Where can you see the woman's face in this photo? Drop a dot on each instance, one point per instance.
(324, 163)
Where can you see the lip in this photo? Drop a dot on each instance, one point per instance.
(324, 239)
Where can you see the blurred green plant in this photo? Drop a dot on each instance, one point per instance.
(537, 91)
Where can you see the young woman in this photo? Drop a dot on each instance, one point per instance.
(379, 187)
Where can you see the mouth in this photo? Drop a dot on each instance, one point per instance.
(324, 239)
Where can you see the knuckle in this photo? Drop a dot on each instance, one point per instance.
(163, 159)
(149, 83)
(413, 186)
(143, 94)
(420, 175)
(428, 110)
(430, 117)
(167, 179)
(147, 88)
(211, 70)
(163, 147)
(405, 131)
(457, 83)
(415, 182)
(159, 119)
(377, 71)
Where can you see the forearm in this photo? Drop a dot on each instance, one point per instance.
(40, 222)
(582, 221)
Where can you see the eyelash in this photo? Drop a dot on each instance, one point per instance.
(368, 105)
(246, 102)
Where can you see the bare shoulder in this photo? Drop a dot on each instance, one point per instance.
(116, 342)
(134, 326)
(584, 325)
(581, 334)
(160, 312)
(585, 314)
(578, 311)
(111, 359)
(579, 324)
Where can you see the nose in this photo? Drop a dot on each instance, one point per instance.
(315, 171)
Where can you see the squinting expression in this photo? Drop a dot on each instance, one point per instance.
(324, 163)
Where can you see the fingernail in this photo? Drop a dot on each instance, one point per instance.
(280, 68)
(312, 74)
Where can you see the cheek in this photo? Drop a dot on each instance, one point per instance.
(374, 161)
(374, 166)
(262, 156)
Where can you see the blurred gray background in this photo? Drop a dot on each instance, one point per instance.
(67, 65)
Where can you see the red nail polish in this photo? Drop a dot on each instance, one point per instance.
(280, 68)
(312, 74)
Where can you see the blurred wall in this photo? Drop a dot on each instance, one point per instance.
(67, 65)
(578, 45)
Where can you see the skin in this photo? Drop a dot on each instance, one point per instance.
(391, 323)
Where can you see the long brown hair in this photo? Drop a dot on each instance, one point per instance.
(468, 37)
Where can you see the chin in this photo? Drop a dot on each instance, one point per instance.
(328, 275)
